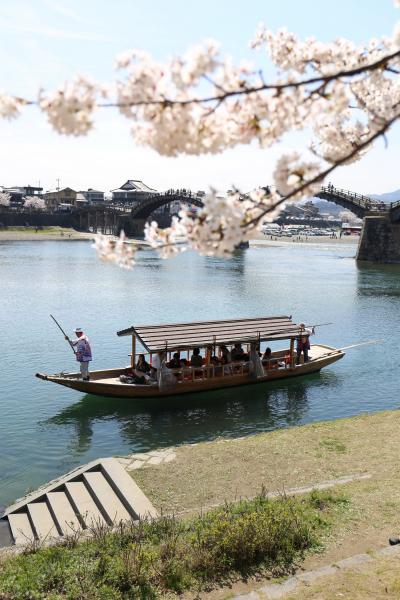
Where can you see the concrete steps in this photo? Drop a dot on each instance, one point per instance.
(98, 494)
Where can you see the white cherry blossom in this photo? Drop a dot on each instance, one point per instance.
(34, 202)
(118, 251)
(10, 106)
(70, 108)
(5, 198)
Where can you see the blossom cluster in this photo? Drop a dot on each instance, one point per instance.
(118, 251)
(10, 106)
(69, 109)
(217, 229)
(5, 198)
(34, 202)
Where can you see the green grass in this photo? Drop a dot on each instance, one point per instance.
(333, 445)
(168, 556)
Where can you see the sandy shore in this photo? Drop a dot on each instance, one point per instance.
(28, 234)
(59, 234)
(266, 240)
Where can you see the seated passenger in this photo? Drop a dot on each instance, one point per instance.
(142, 366)
(225, 355)
(196, 360)
(272, 363)
(175, 362)
(237, 352)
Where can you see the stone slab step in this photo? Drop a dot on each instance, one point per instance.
(42, 521)
(84, 503)
(64, 513)
(21, 528)
(128, 491)
(107, 497)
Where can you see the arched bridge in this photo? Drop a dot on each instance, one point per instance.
(359, 204)
(380, 236)
(143, 209)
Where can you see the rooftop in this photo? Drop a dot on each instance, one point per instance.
(134, 185)
(179, 336)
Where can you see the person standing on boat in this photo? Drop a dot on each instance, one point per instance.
(83, 351)
(303, 343)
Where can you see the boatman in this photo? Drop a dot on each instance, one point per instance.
(83, 351)
(303, 343)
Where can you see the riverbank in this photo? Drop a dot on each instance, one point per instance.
(30, 234)
(365, 448)
(267, 240)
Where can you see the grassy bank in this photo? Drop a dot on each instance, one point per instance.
(207, 474)
(11, 234)
(169, 556)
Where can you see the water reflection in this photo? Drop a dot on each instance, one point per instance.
(146, 424)
(378, 280)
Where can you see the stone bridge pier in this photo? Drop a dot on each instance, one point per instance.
(379, 240)
(380, 235)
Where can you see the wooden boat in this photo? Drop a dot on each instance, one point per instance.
(207, 335)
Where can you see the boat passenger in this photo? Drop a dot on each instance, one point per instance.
(156, 364)
(175, 362)
(238, 354)
(272, 363)
(225, 355)
(196, 360)
(303, 343)
(142, 366)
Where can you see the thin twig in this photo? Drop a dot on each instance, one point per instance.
(381, 63)
(328, 171)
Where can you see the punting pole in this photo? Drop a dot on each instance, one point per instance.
(361, 344)
(63, 332)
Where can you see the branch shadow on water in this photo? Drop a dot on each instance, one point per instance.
(161, 422)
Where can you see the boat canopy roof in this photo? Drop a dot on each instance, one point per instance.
(180, 336)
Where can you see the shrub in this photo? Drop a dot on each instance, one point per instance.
(154, 558)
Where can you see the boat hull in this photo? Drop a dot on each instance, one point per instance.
(106, 382)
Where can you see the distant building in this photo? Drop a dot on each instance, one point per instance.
(93, 196)
(54, 198)
(18, 193)
(131, 191)
(351, 229)
(80, 200)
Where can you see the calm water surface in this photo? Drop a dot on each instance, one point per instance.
(45, 430)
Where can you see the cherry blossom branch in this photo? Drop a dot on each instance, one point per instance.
(278, 87)
(324, 80)
(323, 174)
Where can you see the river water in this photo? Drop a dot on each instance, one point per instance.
(46, 430)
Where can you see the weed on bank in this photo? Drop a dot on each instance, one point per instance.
(153, 559)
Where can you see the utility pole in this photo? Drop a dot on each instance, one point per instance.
(58, 191)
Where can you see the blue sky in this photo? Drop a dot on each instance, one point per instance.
(44, 42)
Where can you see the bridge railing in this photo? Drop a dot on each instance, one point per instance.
(365, 202)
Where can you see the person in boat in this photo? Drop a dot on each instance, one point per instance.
(272, 363)
(225, 355)
(156, 364)
(142, 366)
(238, 354)
(303, 343)
(196, 360)
(83, 352)
(175, 362)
